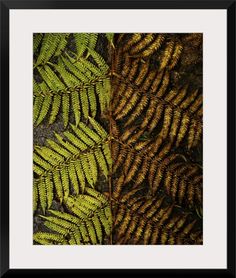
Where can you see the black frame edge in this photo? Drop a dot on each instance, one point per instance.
(5, 6)
(4, 138)
(120, 4)
(231, 104)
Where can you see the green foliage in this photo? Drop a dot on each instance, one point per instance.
(70, 163)
(110, 38)
(88, 222)
(76, 82)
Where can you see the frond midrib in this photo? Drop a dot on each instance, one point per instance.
(67, 161)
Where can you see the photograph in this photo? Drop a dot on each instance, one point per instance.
(117, 139)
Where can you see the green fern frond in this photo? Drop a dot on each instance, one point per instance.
(73, 177)
(75, 139)
(83, 41)
(76, 69)
(93, 166)
(90, 225)
(75, 102)
(82, 100)
(35, 196)
(42, 191)
(38, 101)
(98, 128)
(80, 175)
(37, 38)
(86, 169)
(51, 79)
(62, 44)
(50, 43)
(101, 160)
(58, 184)
(48, 238)
(47, 101)
(110, 38)
(65, 182)
(56, 228)
(49, 189)
(107, 154)
(56, 103)
(103, 92)
(92, 40)
(99, 60)
(65, 108)
(65, 216)
(92, 101)
(97, 195)
(71, 161)
(68, 83)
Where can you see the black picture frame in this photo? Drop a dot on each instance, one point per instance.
(6, 6)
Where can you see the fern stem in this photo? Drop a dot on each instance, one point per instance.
(111, 51)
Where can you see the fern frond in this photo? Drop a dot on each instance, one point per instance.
(98, 128)
(37, 38)
(93, 166)
(81, 41)
(143, 43)
(93, 218)
(73, 177)
(48, 238)
(92, 101)
(80, 175)
(176, 56)
(47, 101)
(73, 161)
(155, 45)
(99, 60)
(69, 83)
(62, 44)
(110, 38)
(84, 99)
(65, 182)
(69, 79)
(152, 221)
(167, 55)
(42, 191)
(76, 69)
(58, 184)
(76, 106)
(101, 160)
(56, 103)
(50, 43)
(84, 41)
(51, 79)
(38, 101)
(56, 228)
(35, 196)
(65, 108)
(49, 189)
(86, 169)
(135, 38)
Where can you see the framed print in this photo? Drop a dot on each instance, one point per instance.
(118, 138)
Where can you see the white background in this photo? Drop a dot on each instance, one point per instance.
(23, 23)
